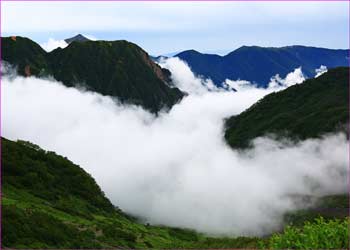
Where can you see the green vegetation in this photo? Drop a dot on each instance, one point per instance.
(328, 207)
(23, 52)
(320, 234)
(307, 110)
(115, 68)
(51, 177)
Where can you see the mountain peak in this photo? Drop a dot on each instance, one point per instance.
(190, 51)
(77, 38)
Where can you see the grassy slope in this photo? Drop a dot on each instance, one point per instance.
(115, 68)
(307, 110)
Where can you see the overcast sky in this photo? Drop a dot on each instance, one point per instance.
(165, 27)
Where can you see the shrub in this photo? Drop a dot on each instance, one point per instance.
(320, 234)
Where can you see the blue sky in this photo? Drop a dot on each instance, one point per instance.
(165, 27)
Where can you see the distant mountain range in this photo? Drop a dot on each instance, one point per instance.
(258, 64)
(124, 70)
(115, 68)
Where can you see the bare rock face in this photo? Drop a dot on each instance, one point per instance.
(77, 38)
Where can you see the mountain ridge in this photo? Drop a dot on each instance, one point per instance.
(116, 68)
(255, 46)
(258, 64)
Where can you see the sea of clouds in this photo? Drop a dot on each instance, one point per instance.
(175, 168)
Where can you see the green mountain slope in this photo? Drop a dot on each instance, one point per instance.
(115, 68)
(308, 110)
(26, 55)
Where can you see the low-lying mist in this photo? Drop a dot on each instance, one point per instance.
(175, 168)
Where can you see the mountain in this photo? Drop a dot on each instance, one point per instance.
(115, 68)
(308, 110)
(259, 64)
(50, 202)
(77, 38)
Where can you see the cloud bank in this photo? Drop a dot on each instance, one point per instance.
(52, 44)
(176, 169)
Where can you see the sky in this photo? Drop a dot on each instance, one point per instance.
(167, 27)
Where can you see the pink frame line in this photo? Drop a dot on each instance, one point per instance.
(101, 1)
(154, 1)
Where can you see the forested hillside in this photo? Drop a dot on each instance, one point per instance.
(307, 110)
(116, 68)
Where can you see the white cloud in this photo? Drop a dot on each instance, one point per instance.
(321, 70)
(276, 83)
(52, 44)
(184, 78)
(291, 78)
(176, 169)
(239, 85)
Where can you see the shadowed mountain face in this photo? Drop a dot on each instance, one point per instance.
(116, 68)
(307, 110)
(77, 38)
(258, 64)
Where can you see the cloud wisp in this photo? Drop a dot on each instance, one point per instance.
(321, 70)
(292, 78)
(185, 79)
(176, 169)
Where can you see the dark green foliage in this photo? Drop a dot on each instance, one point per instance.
(24, 52)
(307, 110)
(33, 229)
(239, 242)
(113, 231)
(183, 234)
(115, 68)
(328, 207)
(51, 177)
(320, 234)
